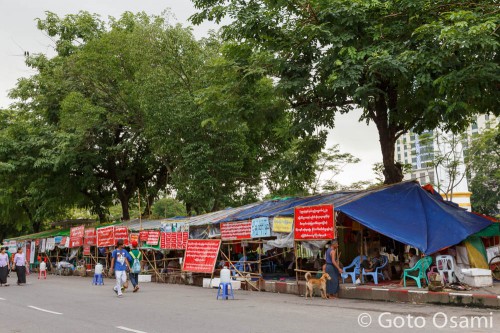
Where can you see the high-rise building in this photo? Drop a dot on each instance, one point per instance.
(438, 158)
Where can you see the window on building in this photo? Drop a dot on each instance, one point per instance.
(422, 178)
(413, 176)
(399, 148)
(431, 176)
(406, 154)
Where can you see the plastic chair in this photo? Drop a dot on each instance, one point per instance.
(42, 271)
(225, 290)
(446, 268)
(98, 280)
(355, 265)
(421, 266)
(378, 271)
(240, 266)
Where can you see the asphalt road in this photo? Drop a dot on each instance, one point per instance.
(72, 304)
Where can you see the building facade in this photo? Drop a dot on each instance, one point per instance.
(437, 158)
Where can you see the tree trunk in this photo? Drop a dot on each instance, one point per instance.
(393, 172)
(124, 200)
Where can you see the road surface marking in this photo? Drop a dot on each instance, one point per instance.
(380, 289)
(2, 299)
(129, 329)
(40, 309)
(418, 291)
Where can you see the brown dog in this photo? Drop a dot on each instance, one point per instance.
(321, 282)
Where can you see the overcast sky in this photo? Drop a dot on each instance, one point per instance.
(18, 33)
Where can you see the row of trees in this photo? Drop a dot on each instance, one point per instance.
(137, 105)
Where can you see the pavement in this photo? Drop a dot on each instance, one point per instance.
(391, 291)
(73, 304)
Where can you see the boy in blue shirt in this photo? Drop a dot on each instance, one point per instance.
(120, 264)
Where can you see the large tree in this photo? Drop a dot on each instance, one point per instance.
(408, 64)
(483, 171)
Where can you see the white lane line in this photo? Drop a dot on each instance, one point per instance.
(40, 309)
(129, 329)
(460, 294)
(2, 299)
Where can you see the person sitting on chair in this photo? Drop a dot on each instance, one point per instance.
(375, 261)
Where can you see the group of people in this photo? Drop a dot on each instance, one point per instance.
(17, 263)
(123, 262)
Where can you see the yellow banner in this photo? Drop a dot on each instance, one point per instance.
(283, 224)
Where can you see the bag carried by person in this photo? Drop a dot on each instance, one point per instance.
(136, 265)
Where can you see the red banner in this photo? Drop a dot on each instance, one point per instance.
(75, 242)
(314, 222)
(236, 230)
(86, 250)
(122, 233)
(77, 231)
(153, 237)
(106, 236)
(63, 241)
(90, 237)
(37, 242)
(174, 240)
(201, 255)
(143, 235)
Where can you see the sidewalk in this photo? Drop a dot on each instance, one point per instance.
(391, 292)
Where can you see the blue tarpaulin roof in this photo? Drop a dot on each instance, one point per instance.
(403, 211)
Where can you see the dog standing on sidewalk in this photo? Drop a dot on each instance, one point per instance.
(312, 282)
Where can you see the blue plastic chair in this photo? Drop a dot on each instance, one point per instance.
(378, 271)
(240, 266)
(421, 266)
(225, 290)
(355, 266)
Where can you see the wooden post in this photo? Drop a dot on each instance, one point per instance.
(296, 262)
(140, 218)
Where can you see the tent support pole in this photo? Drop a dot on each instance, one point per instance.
(296, 243)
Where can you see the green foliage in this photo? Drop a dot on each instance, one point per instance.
(409, 64)
(168, 207)
(483, 172)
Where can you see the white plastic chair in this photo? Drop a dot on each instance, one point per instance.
(446, 268)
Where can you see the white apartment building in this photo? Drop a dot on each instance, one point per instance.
(438, 158)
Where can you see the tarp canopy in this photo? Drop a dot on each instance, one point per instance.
(403, 211)
(411, 215)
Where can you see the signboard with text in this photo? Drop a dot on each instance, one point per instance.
(122, 233)
(75, 242)
(106, 236)
(314, 223)
(236, 230)
(86, 250)
(90, 237)
(283, 224)
(174, 240)
(143, 235)
(77, 231)
(153, 237)
(260, 227)
(201, 255)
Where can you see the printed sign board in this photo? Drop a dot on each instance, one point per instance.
(314, 223)
(236, 230)
(90, 237)
(106, 236)
(260, 227)
(283, 224)
(174, 240)
(153, 237)
(77, 231)
(201, 255)
(122, 233)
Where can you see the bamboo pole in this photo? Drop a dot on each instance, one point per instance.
(296, 262)
(140, 217)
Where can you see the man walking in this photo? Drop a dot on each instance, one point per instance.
(120, 264)
(136, 265)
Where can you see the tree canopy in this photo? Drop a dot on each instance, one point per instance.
(408, 64)
(136, 104)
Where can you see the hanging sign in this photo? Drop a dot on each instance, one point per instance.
(37, 242)
(12, 246)
(86, 250)
(42, 245)
(283, 224)
(314, 223)
(153, 237)
(75, 242)
(58, 239)
(174, 240)
(174, 227)
(32, 253)
(77, 231)
(201, 255)
(260, 227)
(51, 244)
(122, 233)
(90, 237)
(106, 236)
(143, 235)
(236, 230)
